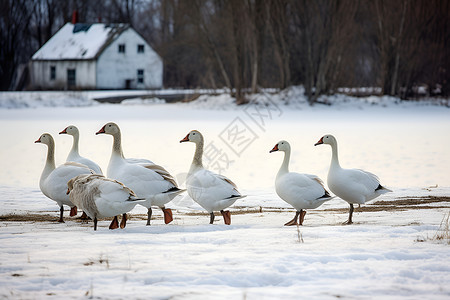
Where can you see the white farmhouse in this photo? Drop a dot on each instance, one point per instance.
(96, 56)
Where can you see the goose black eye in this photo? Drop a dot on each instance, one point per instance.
(193, 133)
(109, 125)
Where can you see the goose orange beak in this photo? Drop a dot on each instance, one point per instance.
(320, 142)
(101, 130)
(275, 148)
(38, 141)
(64, 131)
(186, 139)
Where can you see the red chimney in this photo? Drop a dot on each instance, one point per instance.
(75, 17)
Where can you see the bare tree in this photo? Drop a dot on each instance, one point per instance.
(277, 23)
(240, 44)
(15, 16)
(323, 34)
(412, 36)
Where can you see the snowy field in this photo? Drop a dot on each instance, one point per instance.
(395, 249)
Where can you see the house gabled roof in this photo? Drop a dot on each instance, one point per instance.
(79, 41)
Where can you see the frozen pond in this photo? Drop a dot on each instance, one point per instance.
(390, 252)
(405, 147)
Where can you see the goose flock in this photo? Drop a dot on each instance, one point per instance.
(80, 183)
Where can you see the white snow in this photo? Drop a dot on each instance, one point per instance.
(389, 254)
(84, 44)
(140, 101)
(19, 100)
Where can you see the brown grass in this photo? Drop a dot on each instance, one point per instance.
(29, 218)
(400, 204)
(414, 200)
(443, 233)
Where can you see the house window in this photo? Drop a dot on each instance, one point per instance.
(140, 48)
(52, 72)
(121, 48)
(71, 78)
(140, 76)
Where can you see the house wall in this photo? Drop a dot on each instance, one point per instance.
(85, 74)
(114, 68)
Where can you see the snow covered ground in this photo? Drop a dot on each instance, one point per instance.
(391, 252)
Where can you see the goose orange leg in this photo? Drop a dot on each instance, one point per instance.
(114, 224)
(123, 222)
(226, 216)
(167, 215)
(302, 216)
(73, 211)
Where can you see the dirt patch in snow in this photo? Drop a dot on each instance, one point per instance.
(36, 217)
(29, 218)
(413, 201)
(400, 204)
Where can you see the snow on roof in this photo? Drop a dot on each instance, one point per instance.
(78, 41)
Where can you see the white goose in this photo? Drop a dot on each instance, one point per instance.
(211, 191)
(53, 181)
(101, 197)
(352, 185)
(302, 191)
(149, 181)
(74, 155)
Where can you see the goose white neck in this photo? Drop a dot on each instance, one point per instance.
(197, 162)
(50, 162)
(117, 146)
(334, 155)
(285, 165)
(74, 150)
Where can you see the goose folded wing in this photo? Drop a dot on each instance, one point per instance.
(304, 186)
(162, 172)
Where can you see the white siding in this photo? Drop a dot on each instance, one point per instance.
(85, 74)
(114, 68)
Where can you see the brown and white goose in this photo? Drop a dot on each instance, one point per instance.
(149, 181)
(100, 197)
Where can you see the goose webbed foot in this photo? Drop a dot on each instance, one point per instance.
(294, 221)
(84, 217)
(167, 215)
(114, 224)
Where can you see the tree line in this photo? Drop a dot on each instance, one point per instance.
(396, 45)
